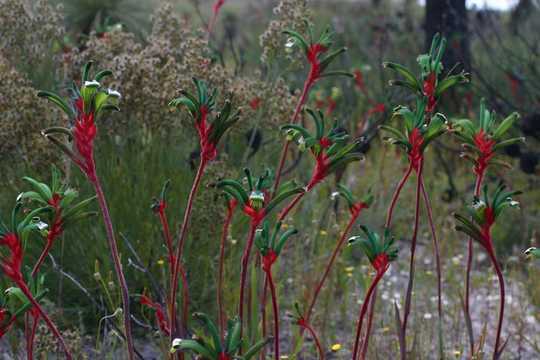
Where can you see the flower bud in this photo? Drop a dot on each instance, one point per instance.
(256, 199)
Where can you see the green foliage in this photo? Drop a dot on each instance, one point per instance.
(373, 245)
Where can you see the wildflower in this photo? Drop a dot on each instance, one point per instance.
(479, 229)
(380, 253)
(256, 201)
(532, 253)
(57, 200)
(330, 149)
(89, 102)
(335, 347)
(200, 108)
(355, 207)
(483, 140)
(418, 133)
(428, 85)
(216, 349)
(314, 52)
(270, 247)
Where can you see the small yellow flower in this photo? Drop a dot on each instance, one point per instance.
(324, 232)
(385, 329)
(284, 357)
(349, 274)
(429, 272)
(349, 269)
(457, 352)
(160, 262)
(336, 347)
(285, 226)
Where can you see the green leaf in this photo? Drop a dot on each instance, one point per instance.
(406, 73)
(103, 73)
(212, 329)
(86, 71)
(282, 195)
(331, 57)
(508, 142)
(41, 188)
(58, 101)
(505, 125)
(252, 351)
(238, 191)
(197, 348)
(233, 339)
(449, 82)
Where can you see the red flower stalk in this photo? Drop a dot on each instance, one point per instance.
(91, 100)
(160, 314)
(313, 52)
(379, 252)
(200, 108)
(484, 145)
(231, 206)
(215, 12)
(478, 228)
(355, 211)
(11, 266)
(54, 232)
(429, 88)
(359, 80)
(415, 153)
(304, 325)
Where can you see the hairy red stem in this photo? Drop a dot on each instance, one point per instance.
(45, 317)
(329, 265)
(315, 338)
(307, 86)
(283, 214)
(395, 197)
(371, 313)
(363, 310)
(245, 267)
(500, 277)
(275, 309)
(470, 255)
(221, 311)
(427, 202)
(117, 264)
(180, 248)
(408, 296)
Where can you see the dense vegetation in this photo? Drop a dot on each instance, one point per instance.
(205, 186)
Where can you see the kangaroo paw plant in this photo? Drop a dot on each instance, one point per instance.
(270, 246)
(212, 348)
(380, 252)
(482, 142)
(484, 213)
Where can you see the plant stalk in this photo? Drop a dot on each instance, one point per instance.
(245, 267)
(437, 263)
(496, 351)
(117, 264)
(363, 310)
(48, 321)
(408, 297)
(180, 248)
(275, 310)
(221, 310)
(308, 83)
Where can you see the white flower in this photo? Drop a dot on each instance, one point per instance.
(334, 195)
(290, 42)
(41, 225)
(114, 93)
(427, 316)
(19, 197)
(478, 204)
(93, 83)
(175, 345)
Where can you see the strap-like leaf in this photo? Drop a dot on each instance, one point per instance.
(406, 73)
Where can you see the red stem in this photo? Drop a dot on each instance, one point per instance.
(470, 255)
(48, 321)
(56, 229)
(395, 197)
(179, 250)
(276, 312)
(316, 339)
(30, 341)
(501, 302)
(408, 297)
(113, 247)
(363, 313)
(283, 214)
(263, 315)
(308, 83)
(245, 267)
(221, 311)
(371, 312)
(437, 260)
(167, 236)
(328, 268)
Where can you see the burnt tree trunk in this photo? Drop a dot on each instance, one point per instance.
(449, 17)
